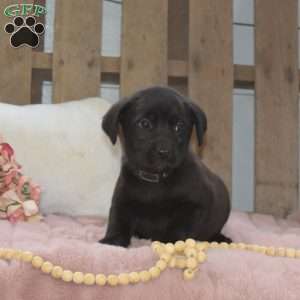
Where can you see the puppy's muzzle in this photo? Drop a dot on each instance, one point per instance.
(163, 149)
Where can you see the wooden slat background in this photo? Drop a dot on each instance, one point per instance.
(76, 67)
(144, 44)
(211, 77)
(276, 107)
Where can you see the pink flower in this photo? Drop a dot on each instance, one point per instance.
(17, 215)
(7, 149)
(35, 193)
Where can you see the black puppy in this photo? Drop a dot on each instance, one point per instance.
(164, 192)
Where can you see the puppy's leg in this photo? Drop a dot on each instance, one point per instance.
(220, 238)
(118, 231)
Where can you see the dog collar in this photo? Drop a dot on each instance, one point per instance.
(151, 177)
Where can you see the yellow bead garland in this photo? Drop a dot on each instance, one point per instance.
(186, 255)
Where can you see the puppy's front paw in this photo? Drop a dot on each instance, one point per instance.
(221, 238)
(115, 241)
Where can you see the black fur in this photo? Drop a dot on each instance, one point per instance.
(189, 201)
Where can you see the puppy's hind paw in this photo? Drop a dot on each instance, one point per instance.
(115, 241)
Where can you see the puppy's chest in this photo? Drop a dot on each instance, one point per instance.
(163, 214)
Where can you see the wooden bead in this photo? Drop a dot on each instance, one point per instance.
(161, 264)
(280, 252)
(134, 277)
(271, 251)
(188, 274)
(224, 245)
(67, 276)
(78, 277)
(27, 256)
(112, 280)
(241, 246)
(232, 246)
(47, 267)
(2, 252)
(262, 249)
(57, 272)
(154, 272)
(191, 263)
(180, 262)
(179, 246)
(255, 248)
(155, 246)
(158, 248)
(297, 254)
(290, 252)
(214, 245)
(200, 246)
(101, 279)
(249, 247)
(170, 248)
(9, 253)
(201, 257)
(37, 261)
(172, 262)
(17, 255)
(166, 257)
(89, 279)
(145, 276)
(190, 243)
(190, 252)
(124, 279)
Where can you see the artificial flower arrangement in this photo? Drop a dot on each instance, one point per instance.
(19, 196)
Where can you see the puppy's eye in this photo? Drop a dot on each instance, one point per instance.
(145, 124)
(179, 126)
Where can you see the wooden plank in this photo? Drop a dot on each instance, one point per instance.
(76, 64)
(211, 78)
(178, 12)
(144, 46)
(244, 76)
(110, 64)
(276, 107)
(41, 60)
(15, 65)
(176, 68)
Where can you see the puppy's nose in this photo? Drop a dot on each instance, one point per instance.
(163, 153)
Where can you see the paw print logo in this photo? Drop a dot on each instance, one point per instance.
(24, 31)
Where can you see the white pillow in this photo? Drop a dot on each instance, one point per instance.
(63, 149)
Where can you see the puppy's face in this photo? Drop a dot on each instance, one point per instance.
(156, 130)
(157, 125)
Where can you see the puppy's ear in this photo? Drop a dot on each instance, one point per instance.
(111, 120)
(198, 119)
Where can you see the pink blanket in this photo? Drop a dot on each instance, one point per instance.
(227, 274)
